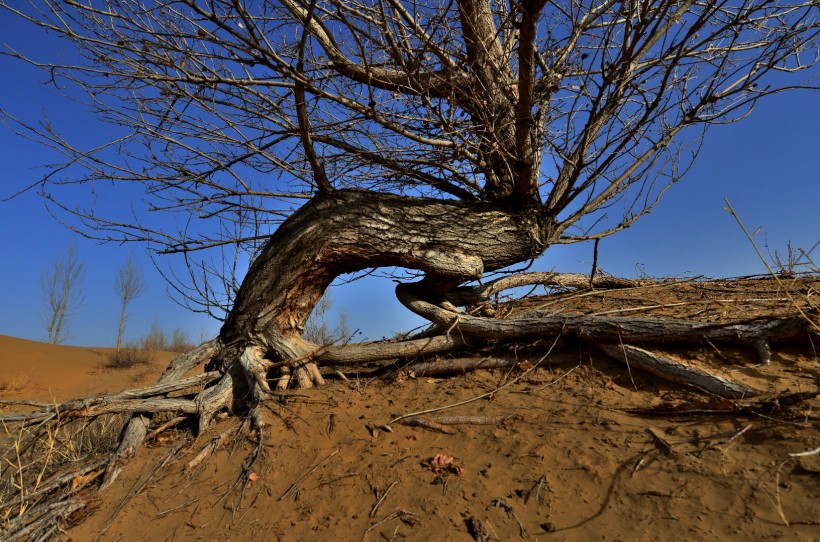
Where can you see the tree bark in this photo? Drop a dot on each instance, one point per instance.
(347, 231)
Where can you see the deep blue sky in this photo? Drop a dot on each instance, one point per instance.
(766, 165)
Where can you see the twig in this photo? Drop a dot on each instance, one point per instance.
(553, 382)
(337, 478)
(806, 453)
(659, 438)
(641, 308)
(380, 500)
(174, 509)
(474, 420)
(394, 515)
(136, 489)
(539, 483)
(731, 439)
(426, 423)
(729, 209)
(298, 483)
(483, 395)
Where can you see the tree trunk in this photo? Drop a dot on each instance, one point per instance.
(121, 327)
(347, 231)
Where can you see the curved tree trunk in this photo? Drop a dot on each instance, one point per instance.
(347, 231)
(341, 232)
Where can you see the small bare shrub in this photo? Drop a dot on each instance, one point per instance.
(131, 354)
(155, 339)
(318, 330)
(31, 454)
(180, 342)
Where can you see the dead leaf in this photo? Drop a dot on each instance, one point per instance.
(445, 464)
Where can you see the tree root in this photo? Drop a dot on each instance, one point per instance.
(675, 371)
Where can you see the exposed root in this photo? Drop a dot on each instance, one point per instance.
(222, 395)
(676, 371)
(214, 444)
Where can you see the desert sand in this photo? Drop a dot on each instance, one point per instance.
(564, 457)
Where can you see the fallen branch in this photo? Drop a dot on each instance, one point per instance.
(463, 365)
(676, 371)
(426, 423)
(475, 420)
(298, 483)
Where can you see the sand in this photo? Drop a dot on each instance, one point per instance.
(570, 462)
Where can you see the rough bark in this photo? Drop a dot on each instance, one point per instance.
(347, 231)
(676, 371)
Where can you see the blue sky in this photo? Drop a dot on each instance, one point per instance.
(767, 165)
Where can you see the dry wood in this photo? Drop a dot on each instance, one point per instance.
(215, 444)
(381, 499)
(462, 365)
(298, 483)
(475, 420)
(676, 371)
(425, 423)
(112, 406)
(601, 328)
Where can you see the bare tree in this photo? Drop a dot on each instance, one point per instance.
(318, 328)
(312, 139)
(128, 286)
(62, 293)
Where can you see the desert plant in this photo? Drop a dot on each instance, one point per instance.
(180, 342)
(17, 383)
(324, 138)
(451, 138)
(131, 354)
(318, 330)
(31, 459)
(128, 285)
(62, 293)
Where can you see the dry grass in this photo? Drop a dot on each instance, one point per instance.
(17, 383)
(34, 455)
(785, 268)
(131, 355)
(144, 351)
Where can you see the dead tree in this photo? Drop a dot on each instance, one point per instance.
(452, 138)
(128, 285)
(62, 293)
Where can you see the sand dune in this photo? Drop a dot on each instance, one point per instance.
(30, 370)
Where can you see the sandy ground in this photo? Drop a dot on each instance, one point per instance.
(35, 371)
(566, 461)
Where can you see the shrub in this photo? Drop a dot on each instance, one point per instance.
(180, 342)
(155, 339)
(133, 353)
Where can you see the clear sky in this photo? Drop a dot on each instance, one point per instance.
(767, 165)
